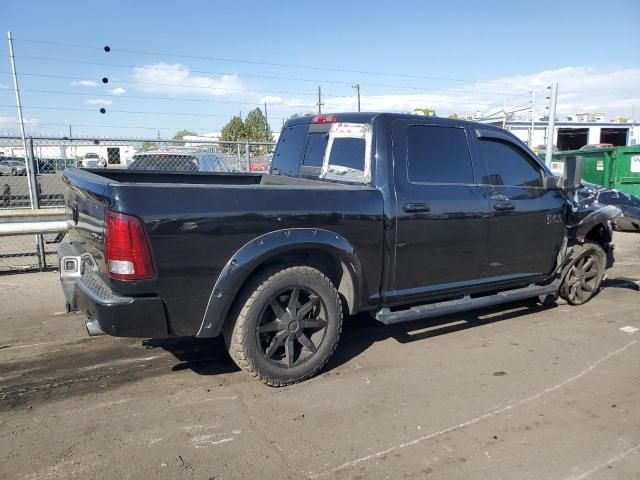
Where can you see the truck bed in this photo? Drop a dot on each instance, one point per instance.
(196, 222)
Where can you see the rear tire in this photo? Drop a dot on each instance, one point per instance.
(287, 325)
(582, 277)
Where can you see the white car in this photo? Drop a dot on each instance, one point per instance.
(91, 160)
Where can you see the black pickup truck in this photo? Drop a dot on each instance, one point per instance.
(403, 216)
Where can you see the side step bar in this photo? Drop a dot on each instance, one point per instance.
(386, 316)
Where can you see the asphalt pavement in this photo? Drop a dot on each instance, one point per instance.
(515, 392)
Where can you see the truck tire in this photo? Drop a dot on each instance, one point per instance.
(287, 325)
(581, 278)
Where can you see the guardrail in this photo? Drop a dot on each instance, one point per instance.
(32, 221)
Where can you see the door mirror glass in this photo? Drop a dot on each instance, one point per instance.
(572, 172)
(554, 182)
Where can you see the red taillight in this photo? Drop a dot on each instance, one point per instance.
(126, 248)
(324, 119)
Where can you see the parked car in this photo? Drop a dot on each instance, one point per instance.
(178, 161)
(13, 167)
(259, 163)
(91, 160)
(402, 216)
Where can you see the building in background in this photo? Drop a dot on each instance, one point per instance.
(582, 129)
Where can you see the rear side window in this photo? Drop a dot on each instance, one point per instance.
(316, 146)
(289, 150)
(507, 165)
(438, 154)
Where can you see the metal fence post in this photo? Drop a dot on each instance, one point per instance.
(35, 199)
(248, 157)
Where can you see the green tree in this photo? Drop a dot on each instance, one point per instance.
(183, 133)
(454, 116)
(256, 127)
(427, 112)
(148, 146)
(233, 131)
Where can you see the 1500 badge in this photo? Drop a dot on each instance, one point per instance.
(554, 218)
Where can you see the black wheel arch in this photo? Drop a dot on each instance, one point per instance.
(327, 251)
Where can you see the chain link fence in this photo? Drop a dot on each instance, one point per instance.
(41, 186)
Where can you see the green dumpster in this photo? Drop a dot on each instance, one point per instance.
(617, 167)
(626, 175)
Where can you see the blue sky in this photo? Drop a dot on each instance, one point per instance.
(457, 57)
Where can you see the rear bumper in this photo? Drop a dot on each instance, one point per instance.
(111, 313)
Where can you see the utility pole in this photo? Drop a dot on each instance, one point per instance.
(533, 118)
(551, 126)
(504, 114)
(320, 104)
(266, 118)
(357, 87)
(21, 121)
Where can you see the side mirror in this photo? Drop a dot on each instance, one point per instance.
(573, 172)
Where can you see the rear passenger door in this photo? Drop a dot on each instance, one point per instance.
(442, 230)
(527, 224)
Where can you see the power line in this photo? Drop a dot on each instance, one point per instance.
(147, 97)
(127, 82)
(269, 77)
(131, 112)
(229, 101)
(271, 64)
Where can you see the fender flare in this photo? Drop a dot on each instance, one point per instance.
(600, 216)
(263, 248)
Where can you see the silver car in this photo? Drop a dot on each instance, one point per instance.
(12, 167)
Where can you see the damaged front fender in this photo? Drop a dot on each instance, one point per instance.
(588, 219)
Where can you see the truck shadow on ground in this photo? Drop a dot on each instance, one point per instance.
(209, 356)
(360, 332)
(622, 282)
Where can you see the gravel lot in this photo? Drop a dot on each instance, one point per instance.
(517, 392)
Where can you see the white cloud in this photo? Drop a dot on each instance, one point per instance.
(580, 89)
(83, 83)
(98, 101)
(176, 78)
(117, 91)
(13, 121)
(270, 100)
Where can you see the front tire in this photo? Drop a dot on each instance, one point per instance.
(287, 325)
(583, 275)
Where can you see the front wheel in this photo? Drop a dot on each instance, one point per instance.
(287, 325)
(584, 274)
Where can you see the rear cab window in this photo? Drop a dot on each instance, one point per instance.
(338, 152)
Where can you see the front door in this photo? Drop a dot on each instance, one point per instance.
(527, 227)
(442, 231)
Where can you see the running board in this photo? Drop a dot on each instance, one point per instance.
(386, 316)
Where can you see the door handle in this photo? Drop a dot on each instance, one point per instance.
(416, 207)
(501, 206)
